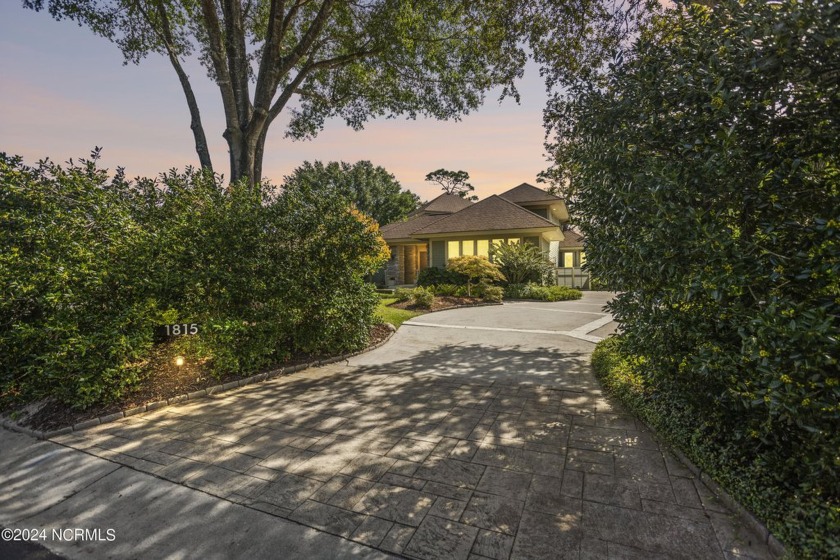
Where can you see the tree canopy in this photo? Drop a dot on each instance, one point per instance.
(453, 182)
(371, 189)
(314, 60)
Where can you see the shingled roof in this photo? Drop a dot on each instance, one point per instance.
(572, 239)
(403, 230)
(492, 213)
(525, 193)
(444, 204)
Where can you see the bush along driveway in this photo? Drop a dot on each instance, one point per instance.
(494, 440)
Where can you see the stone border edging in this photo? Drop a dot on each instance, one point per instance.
(215, 389)
(484, 304)
(512, 300)
(746, 517)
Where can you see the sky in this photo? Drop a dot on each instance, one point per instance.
(64, 91)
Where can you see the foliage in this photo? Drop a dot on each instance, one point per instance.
(93, 264)
(318, 60)
(708, 184)
(422, 297)
(749, 478)
(445, 289)
(476, 269)
(453, 182)
(492, 293)
(434, 276)
(543, 293)
(522, 263)
(402, 294)
(76, 320)
(371, 189)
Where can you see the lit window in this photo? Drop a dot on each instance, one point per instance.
(514, 240)
(453, 249)
(582, 258)
(568, 260)
(483, 248)
(468, 247)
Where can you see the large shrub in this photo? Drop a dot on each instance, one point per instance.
(708, 176)
(542, 293)
(522, 263)
(93, 264)
(476, 269)
(434, 276)
(75, 306)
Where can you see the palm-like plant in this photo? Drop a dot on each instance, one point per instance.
(521, 262)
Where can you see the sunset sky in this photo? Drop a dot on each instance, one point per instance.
(64, 91)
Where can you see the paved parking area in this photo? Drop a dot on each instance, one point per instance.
(474, 433)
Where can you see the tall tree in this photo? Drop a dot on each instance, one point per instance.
(312, 59)
(316, 59)
(453, 182)
(371, 189)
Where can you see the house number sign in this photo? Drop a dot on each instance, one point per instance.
(177, 329)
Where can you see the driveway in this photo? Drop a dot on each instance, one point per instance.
(473, 433)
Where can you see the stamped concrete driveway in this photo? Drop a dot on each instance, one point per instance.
(474, 433)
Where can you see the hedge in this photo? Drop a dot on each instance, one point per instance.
(706, 178)
(91, 263)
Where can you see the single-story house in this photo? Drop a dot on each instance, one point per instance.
(450, 226)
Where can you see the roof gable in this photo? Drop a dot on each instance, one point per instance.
(572, 238)
(492, 213)
(525, 193)
(444, 204)
(403, 230)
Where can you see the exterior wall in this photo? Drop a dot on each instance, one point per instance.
(569, 258)
(438, 256)
(545, 212)
(412, 261)
(440, 248)
(402, 268)
(401, 265)
(572, 277)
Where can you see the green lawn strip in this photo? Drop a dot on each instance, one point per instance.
(393, 315)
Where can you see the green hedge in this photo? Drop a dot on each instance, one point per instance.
(706, 173)
(92, 263)
(434, 275)
(805, 519)
(543, 293)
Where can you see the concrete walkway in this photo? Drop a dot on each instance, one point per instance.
(474, 433)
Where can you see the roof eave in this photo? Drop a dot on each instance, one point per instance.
(491, 232)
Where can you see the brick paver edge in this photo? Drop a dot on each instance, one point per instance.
(744, 515)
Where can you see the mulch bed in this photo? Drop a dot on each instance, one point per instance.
(440, 303)
(164, 381)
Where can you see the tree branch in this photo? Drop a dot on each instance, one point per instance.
(166, 37)
(305, 44)
(267, 79)
(214, 33)
(237, 57)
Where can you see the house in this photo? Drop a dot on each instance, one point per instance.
(450, 226)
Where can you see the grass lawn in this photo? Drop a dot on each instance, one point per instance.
(393, 315)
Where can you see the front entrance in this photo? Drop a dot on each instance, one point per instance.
(406, 263)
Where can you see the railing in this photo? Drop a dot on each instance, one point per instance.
(574, 277)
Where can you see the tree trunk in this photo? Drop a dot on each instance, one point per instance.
(246, 153)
